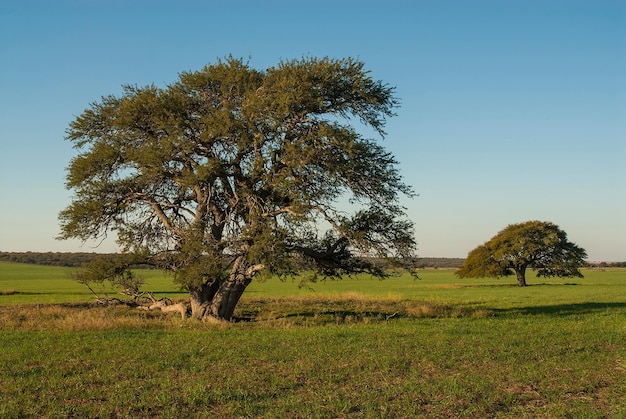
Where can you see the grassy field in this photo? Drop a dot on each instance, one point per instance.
(36, 284)
(356, 348)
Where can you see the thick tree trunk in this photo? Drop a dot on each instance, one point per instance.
(201, 297)
(520, 272)
(219, 302)
(223, 304)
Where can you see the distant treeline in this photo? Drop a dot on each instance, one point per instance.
(439, 263)
(49, 258)
(606, 264)
(79, 259)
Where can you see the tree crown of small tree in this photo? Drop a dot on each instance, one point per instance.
(538, 245)
(231, 171)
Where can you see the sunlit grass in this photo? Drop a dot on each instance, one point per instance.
(25, 284)
(362, 348)
(536, 366)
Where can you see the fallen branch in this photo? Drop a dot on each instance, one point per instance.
(166, 306)
(391, 316)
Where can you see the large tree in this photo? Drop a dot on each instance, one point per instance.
(232, 171)
(538, 245)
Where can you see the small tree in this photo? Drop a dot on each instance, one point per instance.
(230, 172)
(533, 244)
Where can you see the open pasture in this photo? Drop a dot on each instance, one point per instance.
(356, 348)
(34, 284)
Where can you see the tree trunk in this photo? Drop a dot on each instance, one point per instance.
(219, 300)
(520, 272)
(227, 296)
(223, 304)
(200, 298)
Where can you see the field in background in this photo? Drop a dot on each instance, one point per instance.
(355, 348)
(35, 284)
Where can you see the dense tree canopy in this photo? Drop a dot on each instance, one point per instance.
(232, 171)
(532, 244)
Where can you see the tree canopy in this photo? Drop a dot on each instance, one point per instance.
(231, 171)
(538, 245)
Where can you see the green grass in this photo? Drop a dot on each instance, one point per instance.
(432, 368)
(356, 348)
(35, 284)
(444, 286)
(28, 284)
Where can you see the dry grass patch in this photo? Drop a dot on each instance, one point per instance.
(444, 286)
(78, 317)
(347, 308)
(435, 310)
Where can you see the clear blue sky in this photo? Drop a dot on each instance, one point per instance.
(511, 110)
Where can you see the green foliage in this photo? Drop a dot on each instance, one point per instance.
(534, 244)
(230, 165)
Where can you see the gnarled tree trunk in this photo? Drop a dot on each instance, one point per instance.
(218, 301)
(200, 297)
